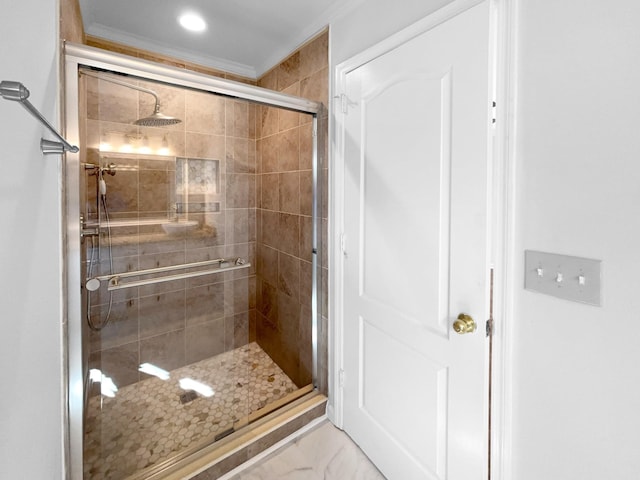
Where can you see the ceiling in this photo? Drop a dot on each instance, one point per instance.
(245, 37)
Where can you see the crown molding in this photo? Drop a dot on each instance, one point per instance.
(115, 35)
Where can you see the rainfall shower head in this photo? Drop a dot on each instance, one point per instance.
(156, 119)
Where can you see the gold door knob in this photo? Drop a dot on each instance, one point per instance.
(464, 324)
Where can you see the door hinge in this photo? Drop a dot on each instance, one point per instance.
(493, 113)
(488, 327)
(341, 378)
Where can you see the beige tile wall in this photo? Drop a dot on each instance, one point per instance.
(179, 322)
(284, 281)
(284, 149)
(71, 28)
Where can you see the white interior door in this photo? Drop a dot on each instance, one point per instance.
(415, 252)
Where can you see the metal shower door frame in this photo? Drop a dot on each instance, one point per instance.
(76, 56)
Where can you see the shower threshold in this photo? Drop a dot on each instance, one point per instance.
(150, 422)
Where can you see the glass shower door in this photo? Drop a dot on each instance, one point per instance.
(198, 258)
(169, 257)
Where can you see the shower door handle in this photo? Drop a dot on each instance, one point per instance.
(464, 324)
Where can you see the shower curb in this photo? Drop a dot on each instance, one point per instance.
(213, 462)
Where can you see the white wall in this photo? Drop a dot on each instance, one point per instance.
(373, 21)
(576, 384)
(30, 244)
(577, 388)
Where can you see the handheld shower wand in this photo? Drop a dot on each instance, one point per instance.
(92, 284)
(103, 186)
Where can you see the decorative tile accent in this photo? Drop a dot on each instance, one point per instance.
(195, 175)
(152, 420)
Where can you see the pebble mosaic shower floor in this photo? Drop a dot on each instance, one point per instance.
(152, 420)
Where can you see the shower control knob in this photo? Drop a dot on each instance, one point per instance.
(464, 324)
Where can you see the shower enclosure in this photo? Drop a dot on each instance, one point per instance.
(193, 260)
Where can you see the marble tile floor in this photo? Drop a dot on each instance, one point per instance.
(154, 419)
(323, 453)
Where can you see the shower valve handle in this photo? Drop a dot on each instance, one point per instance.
(110, 169)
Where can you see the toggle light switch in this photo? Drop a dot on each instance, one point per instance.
(576, 279)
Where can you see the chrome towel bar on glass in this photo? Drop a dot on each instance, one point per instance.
(17, 92)
(223, 265)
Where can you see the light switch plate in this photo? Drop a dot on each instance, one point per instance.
(571, 278)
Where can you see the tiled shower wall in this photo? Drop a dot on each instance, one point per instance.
(284, 271)
(304, 73)
(179, 322)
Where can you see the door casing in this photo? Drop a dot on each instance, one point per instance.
(501, 211)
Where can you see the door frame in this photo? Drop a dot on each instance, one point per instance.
(501, 216)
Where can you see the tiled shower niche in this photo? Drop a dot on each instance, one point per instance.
(197, 185)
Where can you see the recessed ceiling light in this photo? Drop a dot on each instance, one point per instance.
(192, 22)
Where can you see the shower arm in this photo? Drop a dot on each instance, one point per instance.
(17, 92)
(125, 84)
